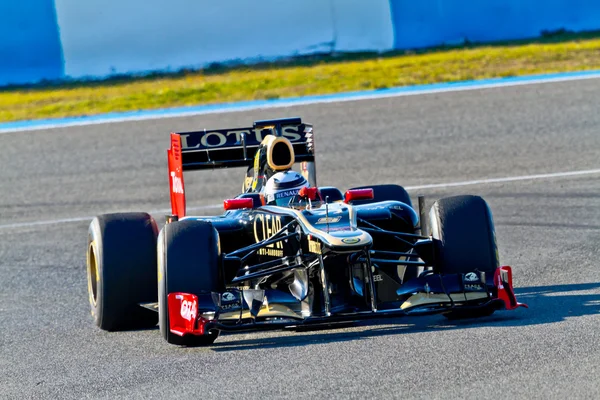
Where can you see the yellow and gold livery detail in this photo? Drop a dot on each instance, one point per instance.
(280, 146)
(265, 226)
(314, 246)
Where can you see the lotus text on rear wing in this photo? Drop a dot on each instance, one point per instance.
(232, 137)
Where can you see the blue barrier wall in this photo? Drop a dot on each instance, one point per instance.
(99, 38)
(30, 47)
(426, 23)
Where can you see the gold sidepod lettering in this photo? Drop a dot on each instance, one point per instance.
(256, 237)
(265, 226)
(314, 246)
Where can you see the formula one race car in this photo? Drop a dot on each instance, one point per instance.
(286, 252)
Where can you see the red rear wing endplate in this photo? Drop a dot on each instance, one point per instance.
(176, 177)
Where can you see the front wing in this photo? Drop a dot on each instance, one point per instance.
(191, 314)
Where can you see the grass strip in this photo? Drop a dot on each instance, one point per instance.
(301, 77)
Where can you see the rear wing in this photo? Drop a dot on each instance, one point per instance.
(228, 148)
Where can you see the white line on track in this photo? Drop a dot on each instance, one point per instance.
(409, 188)
(506, 179)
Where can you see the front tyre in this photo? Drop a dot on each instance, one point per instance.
(463, 230)
(121, 270)
(188, 261)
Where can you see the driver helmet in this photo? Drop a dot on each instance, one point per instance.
(282, 187)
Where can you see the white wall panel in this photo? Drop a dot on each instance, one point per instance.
(102, 37)
(363, 25)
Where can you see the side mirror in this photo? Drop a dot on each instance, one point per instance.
(236, 204)
(358, 194)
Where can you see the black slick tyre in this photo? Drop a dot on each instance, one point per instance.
(121, 270)
(188, 261)
(463, 230)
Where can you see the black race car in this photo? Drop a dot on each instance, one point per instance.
(324, 257)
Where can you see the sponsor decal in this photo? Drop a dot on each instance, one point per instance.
(265, 226)
(176, 183)
(189, 309)
(228, 296)
(329, 220)
(474, 288)
(314, 247)
(501, 279)
(286, 193)
(377, 278)
(399, 208)
(230, 301)
(231, 306)
(471, 277)
(266, 251)
(233, 137)
(350, 240)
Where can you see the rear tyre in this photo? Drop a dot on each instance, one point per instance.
(188, 261)
(384, 193)
(121, 270)
(463, 230)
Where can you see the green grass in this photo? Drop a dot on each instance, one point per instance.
(301, 77)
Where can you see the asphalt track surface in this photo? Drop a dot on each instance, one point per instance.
(547, 229)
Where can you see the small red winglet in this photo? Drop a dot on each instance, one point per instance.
(183, 314)
(506, 293)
